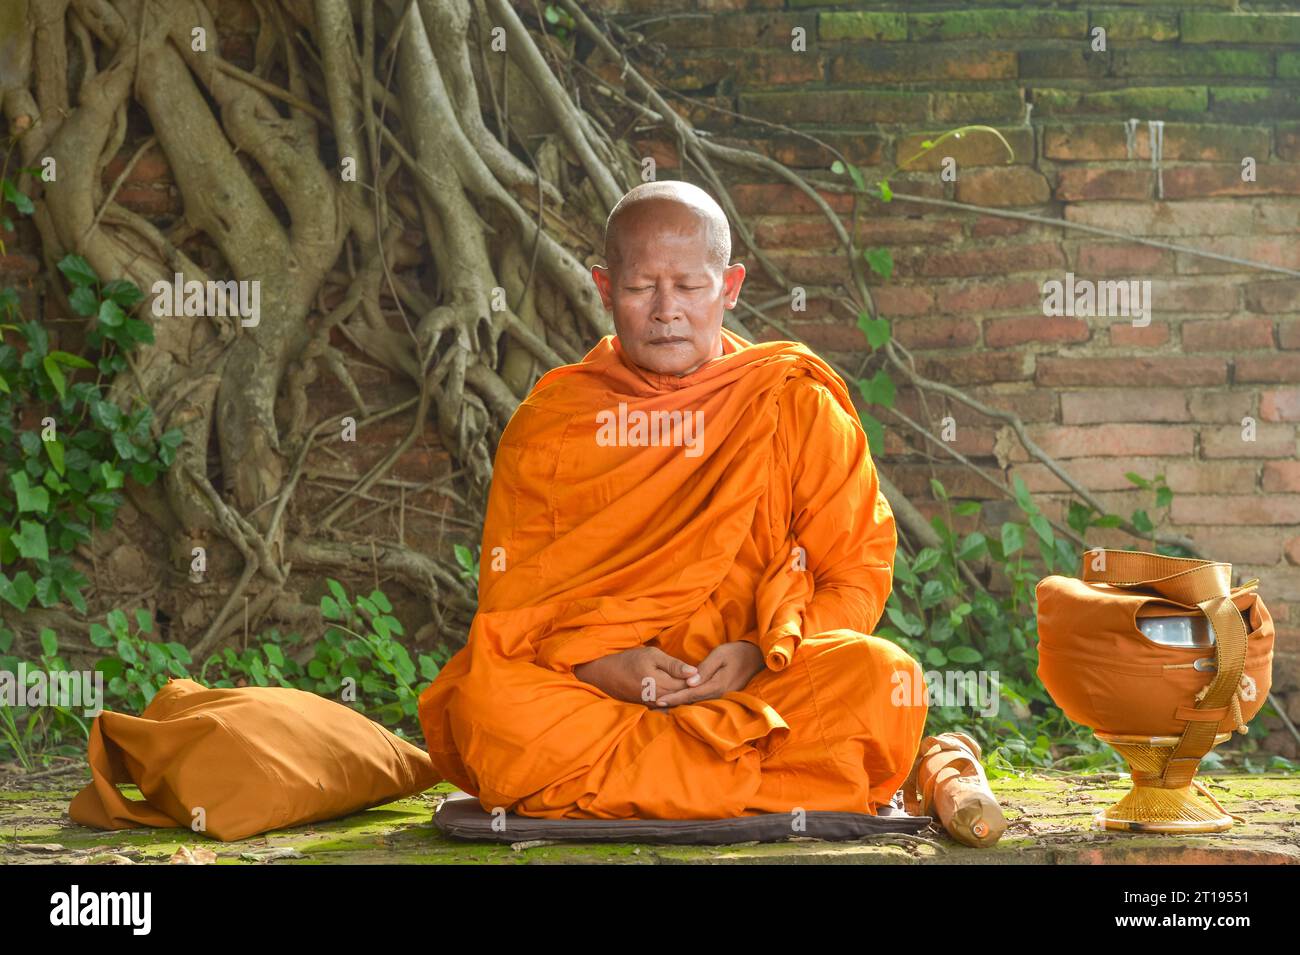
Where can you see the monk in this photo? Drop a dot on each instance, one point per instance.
(684, 554)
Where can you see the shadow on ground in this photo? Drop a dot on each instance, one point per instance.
(1050, 819)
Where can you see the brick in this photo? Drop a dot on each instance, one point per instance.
(1113, 439)
(1108, 474)
(986, 226)
(728, 30)
(778, 198)
(18, 266)
(982, 106)
(911, 64)
(1164, 218)
(975, 368)
(1231, 335)
(1230, 545)
(1288, 66)
(1134, 25)
(974, 149)
(894, 300)
(1288, 333)
(998, 25)
(1001, 260)
(1098, 406)
(1128, 335)
(1207, 181)
(1182, 62)
(988, 296)
(1200, 27)
(1219, 405)
(1182, 295)
(828, 336)
(1280, 477)
(931, 332)
(1098, 258)
(1154, 101)
(1080, 63)
(1273, 295)
(1280, 369)
(1075, 183)
(1199, 142)
(908, 231)
(755, 68)
(1170, 370)
(858, 25)
(1280, 215)
(837, 107)
(1280, 404)
(1003, 186)
(1288, 141)
(1033, 404)
(1004, 332)
(1253, 509)
(1254, 102)
(1282, 251)
(1271, 441)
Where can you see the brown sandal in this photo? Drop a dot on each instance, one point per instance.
(948, 779)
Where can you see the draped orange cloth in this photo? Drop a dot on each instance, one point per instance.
(753, 514)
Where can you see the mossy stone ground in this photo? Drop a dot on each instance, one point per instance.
(1049, 817)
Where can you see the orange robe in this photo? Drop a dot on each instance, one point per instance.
(765, 524)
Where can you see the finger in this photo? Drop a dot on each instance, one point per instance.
(675, 667)
(660, 683)
(710, 666)
(693, 694)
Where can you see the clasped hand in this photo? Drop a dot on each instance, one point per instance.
(649, 675)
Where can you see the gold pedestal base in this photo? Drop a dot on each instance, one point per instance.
(1148, 808)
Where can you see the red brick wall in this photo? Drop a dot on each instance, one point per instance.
(1101, 395)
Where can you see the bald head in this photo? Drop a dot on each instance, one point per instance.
(659, 205)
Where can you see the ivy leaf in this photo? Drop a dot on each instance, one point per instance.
(881, 262)
(77, 270)
(1013, 538)
(124, 293)
(33, 499)
(30, 541)
(875, 434)
(19, 591)
(876, 329)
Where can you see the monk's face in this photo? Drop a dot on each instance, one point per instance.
(666, 294)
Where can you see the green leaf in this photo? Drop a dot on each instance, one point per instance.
(111, 314)
(30, 499)
(56, 375)
(972, 547)
(926, 558)
(939, 491)
(881, 262)
(1013, 538)
(965, 655)
(878, 390)
(875, 329)
(100, 636)
(143, 620)
(77, 270)
(71, 360)
(19, 591)
(1043, 529)
(330, 609)
(84, 301)
(124, 293)
(49, 642)
(837, 167)
(22, 202)
(935, 657)
(1164, 496)
(932, 594)
(55, 451)
(875, 434)
(1137, 479)
(1142, 522)
(30, 541)
(966, 508)
(886, 194)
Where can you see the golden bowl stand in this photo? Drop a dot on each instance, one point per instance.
(1149, 807)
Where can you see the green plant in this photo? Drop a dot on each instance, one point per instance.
(65, 450)
(140, 666)
(468, 563)
(27, 732)
(947, 622)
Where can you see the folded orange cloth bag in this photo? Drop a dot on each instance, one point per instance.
(236, 762)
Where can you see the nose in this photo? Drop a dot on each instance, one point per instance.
(666, 308)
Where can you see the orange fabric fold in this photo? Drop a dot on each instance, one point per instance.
(738, 502)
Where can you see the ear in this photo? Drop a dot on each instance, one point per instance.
(604, 284)
(732, 279)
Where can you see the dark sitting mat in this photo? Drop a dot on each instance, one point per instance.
(461, 817)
